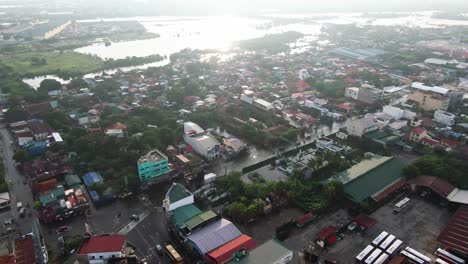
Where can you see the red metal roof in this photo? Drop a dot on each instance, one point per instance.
(345, 107)
(388, 190)
(440, 186)
(24, 250)
(103, 243)
(455, 235)
(224, 253)
(449, 142)
(326, 232)
(418, 130)
(365, 220)
(305, 218)
(9, 259)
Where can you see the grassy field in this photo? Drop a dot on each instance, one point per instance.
(71, 62)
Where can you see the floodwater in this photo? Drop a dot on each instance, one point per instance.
(221, 33)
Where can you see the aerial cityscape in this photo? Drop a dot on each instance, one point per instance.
(269, 132)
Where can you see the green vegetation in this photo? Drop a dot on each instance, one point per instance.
(273, 43)
(451, 168)
(59, 63)
(3, 183)
(334, 89)
(308, 195)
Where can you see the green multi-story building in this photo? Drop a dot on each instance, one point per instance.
(152, 167)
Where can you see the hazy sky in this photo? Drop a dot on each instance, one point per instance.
(246, 6)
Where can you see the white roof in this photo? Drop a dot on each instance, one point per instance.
(188, 126)
(263, 102)
(57, 137)
(5, 196)
(458, 196)
(435, 89)
(435, 61)
(207, 142)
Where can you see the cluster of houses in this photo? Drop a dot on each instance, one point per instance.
(208, 236)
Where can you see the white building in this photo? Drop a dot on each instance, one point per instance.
(204, 145)
(177, 196)
(398, 113)
(100, 249)
(303, 74)
(262, 104)
(352, 92)
(359, 127)
(444, 117)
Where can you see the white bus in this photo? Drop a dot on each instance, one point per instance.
(412, 257)
(444, 254)
(440, 261)
(387, 242)
(361, 256)
(401, 204)
(382, 259)
(373, 256)
(380, 238)
(418, 254)
(394, 247)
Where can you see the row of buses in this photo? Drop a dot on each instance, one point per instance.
(382, 248)
(386, 245)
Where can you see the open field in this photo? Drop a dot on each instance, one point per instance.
(33, 62)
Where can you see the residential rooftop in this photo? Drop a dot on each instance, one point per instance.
(152, 156)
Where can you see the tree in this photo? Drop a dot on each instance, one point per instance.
(77, 83)
(48, 85)
(16, 114)
(21, 156)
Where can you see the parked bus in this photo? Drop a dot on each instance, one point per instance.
(387, 242)
(380, 238)
(382, 259)
(418, 254)
(364, 253)
(445, 255)
(440, 261)
(173, 255)
(394, 247)
(373, 256)
(401, 204)
(412, 257)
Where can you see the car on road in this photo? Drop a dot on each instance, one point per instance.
(8, 221)
(63, 229)
(22, 212)
(134, 217)
(159, 249)
(19, 205)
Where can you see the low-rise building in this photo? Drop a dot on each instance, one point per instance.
(429, 98)
(359, 127)
(368, 94)
(151, 166)
(100, 249)
(444, 117)
(417, 134)
(272, 251)
(352, 92)
(204, 145)
(398, 113)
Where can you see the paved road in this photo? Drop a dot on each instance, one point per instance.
(19, 192)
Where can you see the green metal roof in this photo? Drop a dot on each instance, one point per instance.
(56, 194)
(72, 180)
(184, 213)
(374, 180)
(361, 168)
(199, 219)
(268, 252)
(177, 192)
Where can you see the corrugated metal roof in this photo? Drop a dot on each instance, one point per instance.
(455, 235)
(373, 180)
(184, 213)
(224, 253)
(195, 221)
(214, 235)
(361, 168)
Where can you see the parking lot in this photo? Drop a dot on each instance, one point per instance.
(417, 226)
